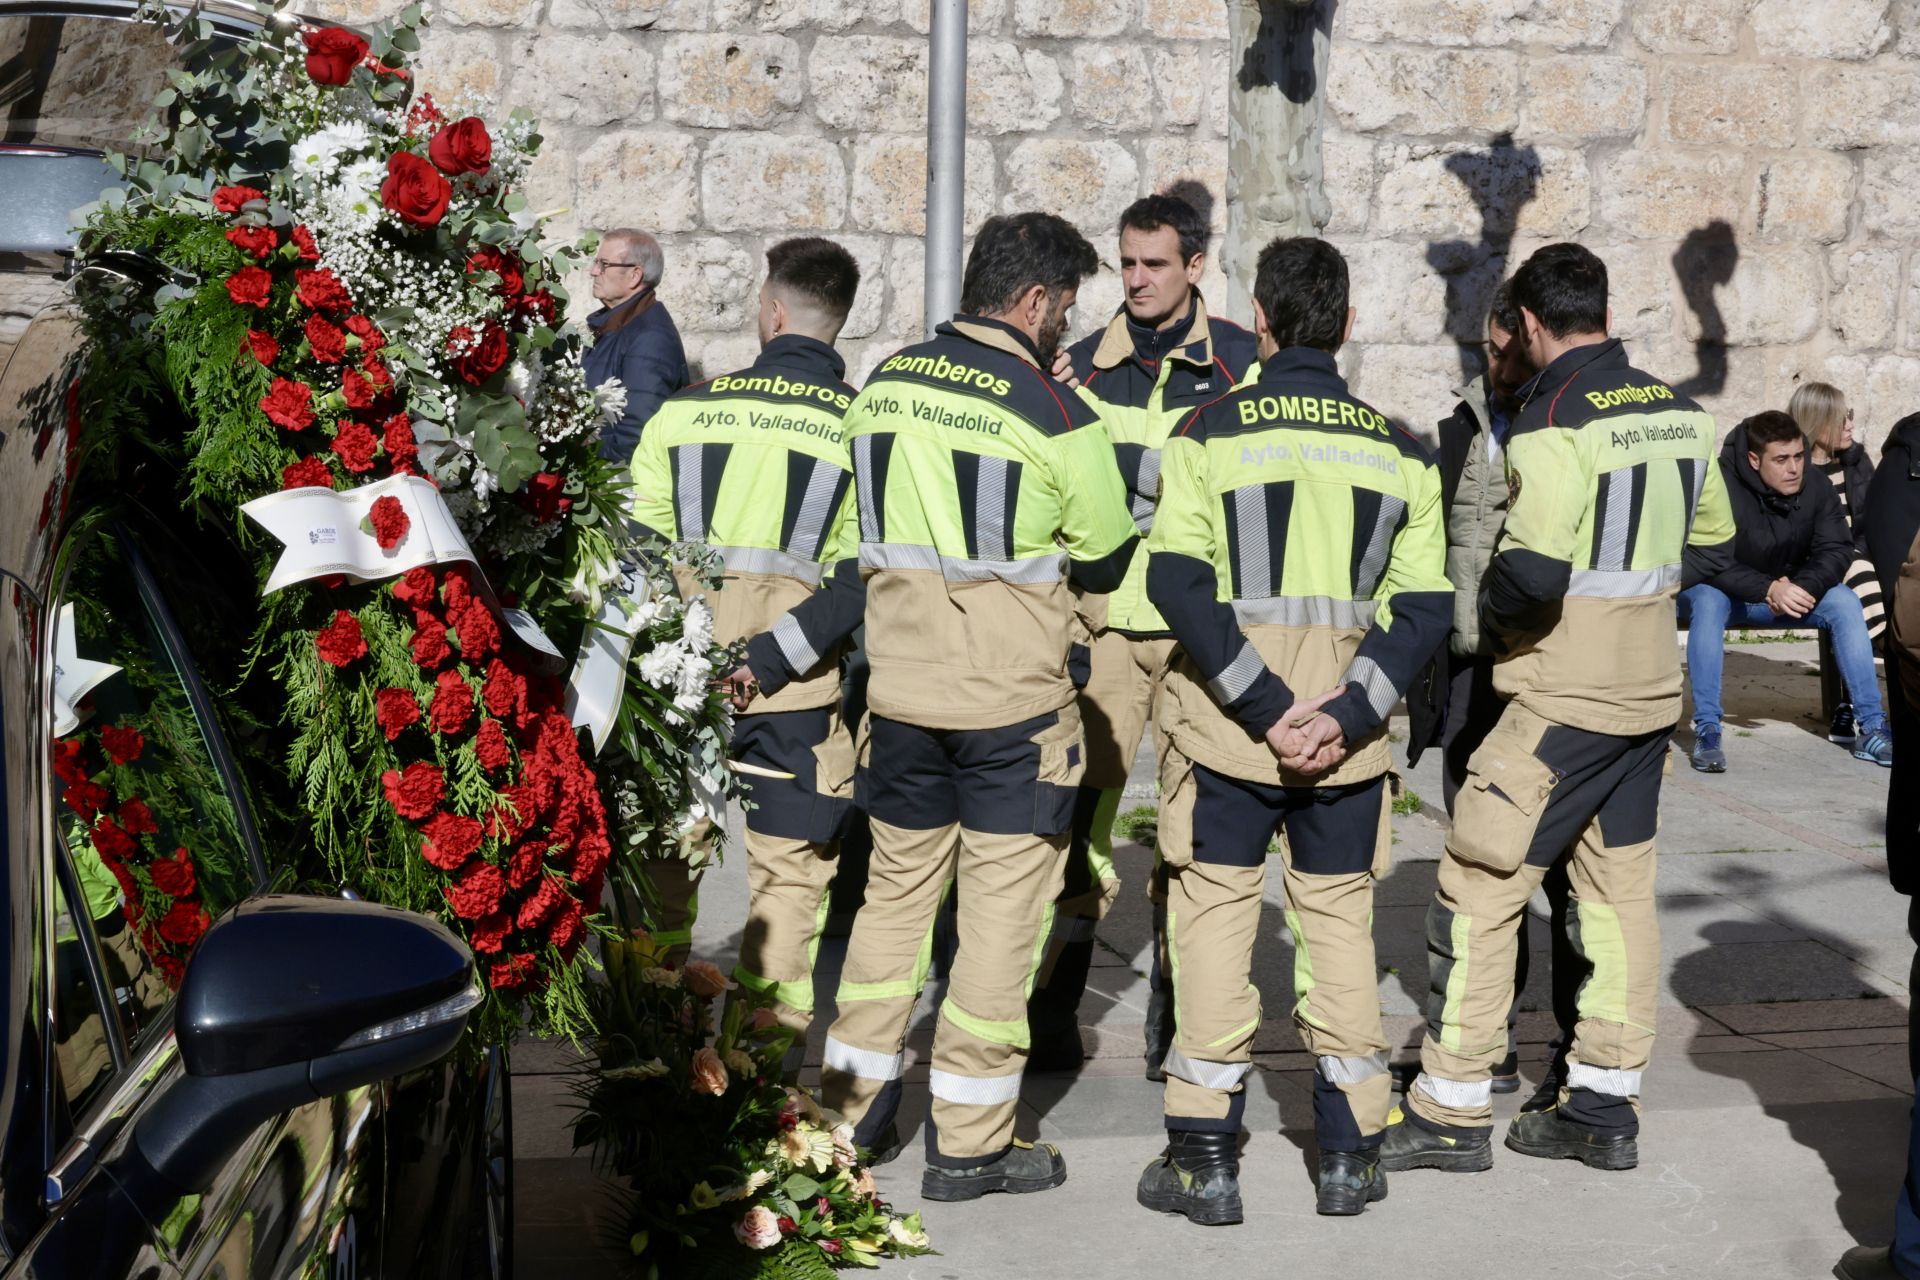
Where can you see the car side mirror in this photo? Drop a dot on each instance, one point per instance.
(288, 1000)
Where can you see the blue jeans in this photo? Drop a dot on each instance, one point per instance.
(1707, 612)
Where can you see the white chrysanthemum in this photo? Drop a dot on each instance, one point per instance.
(320, 153)
(610, 400)
(363, 178)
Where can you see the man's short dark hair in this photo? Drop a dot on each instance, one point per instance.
(1301, 285)
(1770, 426)
(818, 270)
(1565, 286)
(1150, 213)
(1501, 313)
(1016, 251)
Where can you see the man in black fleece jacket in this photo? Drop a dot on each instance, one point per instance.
(1790, 551)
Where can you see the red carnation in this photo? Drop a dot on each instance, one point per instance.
(340, 641)
(112, 840)
(122, 743)
(137, 818)
(543, 902)
(371, 339)
(87, 798)
(568, 927)
(459, 586)
(332, 54)
(416, 587)
(525, 863)
(355, 445)
(414, 791)
(250, 287)
(376, 372)
(389, 519)
(430, 647)
(184, 923)
(173, 876)
(503, 265)
(233, 199)
(258, 241)
(415, 192)
(452, 703)
(462, 147)
(537, 306)
(490, 744)
(356, 390)
(505, 692)
(511, 973)
(69, 763)
(451, 840)
(289, 404)
(479, 635)
(328, 340)
(303, 241)
(395, 710)
(397, 438)
(590, 856)
(321, 290)
(477, 891)
(309, 473)
(263, 345)
(489, 936)
(477, 358)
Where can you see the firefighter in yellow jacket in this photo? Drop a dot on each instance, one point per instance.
(1298, 554)
(1612, 481)
(754, 464)
(984, 488)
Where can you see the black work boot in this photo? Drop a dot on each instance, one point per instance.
(1023, 1168)
(1197, 1175)
(1409, 1144)
(1159, 1032)
(1349, 1182)
(1547, 1096)
(1551, 1136)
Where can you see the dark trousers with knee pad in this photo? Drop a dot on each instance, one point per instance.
(1214, 835)
(989, 811)
(1533, 789)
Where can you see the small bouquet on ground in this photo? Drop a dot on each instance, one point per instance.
(728, 1172)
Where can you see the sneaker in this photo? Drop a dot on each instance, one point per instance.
(1842, 730)
(1198, 1176)
(1021, 1169)
(1867, 1262)
(1546, 1135)
(1875, 747)
(1408, 1144)
(1707, 756)
(1349, 1182)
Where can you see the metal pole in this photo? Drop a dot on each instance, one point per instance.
(946, 157)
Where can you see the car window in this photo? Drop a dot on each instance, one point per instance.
(82, 1047)
(72, 80)
(155, 835)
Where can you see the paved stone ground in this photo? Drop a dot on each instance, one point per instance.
(1775, 1111)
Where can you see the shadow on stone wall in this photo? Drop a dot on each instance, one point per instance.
(1704, 262)
(1500, 181)
(1281, 53)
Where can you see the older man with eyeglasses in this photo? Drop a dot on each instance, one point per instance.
(635, 340)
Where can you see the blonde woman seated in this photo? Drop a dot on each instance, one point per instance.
(1826, 420)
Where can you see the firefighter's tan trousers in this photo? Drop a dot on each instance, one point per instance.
(1533, 789)
(987, 810)
(1214, 836)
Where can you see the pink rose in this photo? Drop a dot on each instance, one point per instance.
(709, 1074)
(758, 1228)
(762, 1019)
(704, 979)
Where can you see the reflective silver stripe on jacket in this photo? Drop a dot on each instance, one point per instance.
(1238, 676)
(1254, 575)
(810, 526)
(1381, 694)
(1619, 512)
(1623, 584)
(766, 560)
(868, 1064)
(973, 1091)
(794, 645)
(1146, 491)
(990, 530)
(1033, 570)
(1208, 1075)
(863, 487)
(1305, 611)
(1373, 562)
(692, 513)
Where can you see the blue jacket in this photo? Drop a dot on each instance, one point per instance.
(636, 343)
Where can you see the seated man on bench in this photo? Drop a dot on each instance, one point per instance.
(1790, 552)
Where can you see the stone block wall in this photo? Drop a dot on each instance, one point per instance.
(1746, 167)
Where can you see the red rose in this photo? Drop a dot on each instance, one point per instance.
(303, 241)
(537, 306)
(327, 340)
(511, 973)
(452, 703)
(489, 936)
(308, 473)
(137, 818)
(490, 744)
(356, 390)
(258, 241)
(112, 841)
(250, 287)
(395, 710)
(332, 54)
(544, 497)
(265, 349)
(479, 635)
(289, 404)
(451, 840)
(477, 358)
(568, 927)
(416, 587)
(321, 290)
(414, 791)
(503, 265)
(173, 876)
(429, 642)
(414, 190)
(122, 743)
(87, 798)
(397, 439)
(340, 641)
(184, 923)
(462, 147)
(389, 520)
(371, 339)
(233, 199)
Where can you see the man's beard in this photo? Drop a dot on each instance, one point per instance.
(1052, 325)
